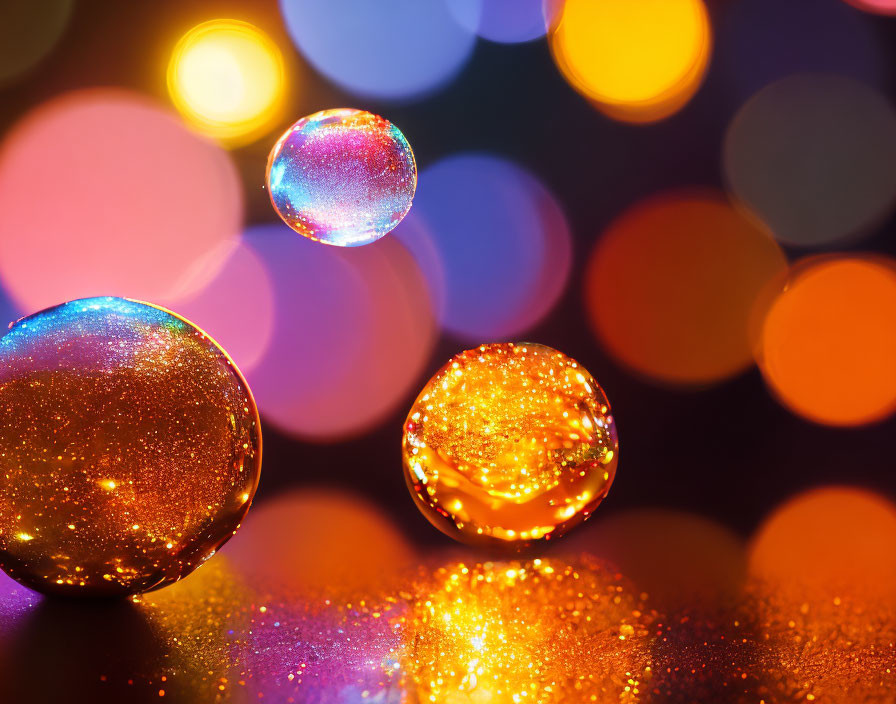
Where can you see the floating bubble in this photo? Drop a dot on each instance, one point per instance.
(504, 21)
(508, 444)
(813, 156)
(828, 340)
(493, 243)
(344, 177)
(385, 49)
(130, 452)
(226, 78)
(353, 330)
(28, 32)
(137, 200)
(673, 283)
(637, 61)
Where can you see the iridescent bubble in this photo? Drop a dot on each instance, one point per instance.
(344, 177)
(129, 452)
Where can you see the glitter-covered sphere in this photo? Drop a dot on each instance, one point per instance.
(344, 177)
(508, 444)
(130, 448)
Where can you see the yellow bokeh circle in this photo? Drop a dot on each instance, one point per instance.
(637, 61)
(227, 78)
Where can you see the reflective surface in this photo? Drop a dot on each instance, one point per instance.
(130, 448)
(509, 443)
(345, 177)
(539, 631)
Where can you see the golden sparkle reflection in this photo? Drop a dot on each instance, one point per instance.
(508, 444)
(129, 444)
(227, 79)
(533, 632)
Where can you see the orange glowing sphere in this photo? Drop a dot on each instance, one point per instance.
(828, 341)
(130, 448)
(637, 61)
(509, 443)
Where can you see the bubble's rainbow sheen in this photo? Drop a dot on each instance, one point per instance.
(344, 177)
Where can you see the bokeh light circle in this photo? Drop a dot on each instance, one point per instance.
(236, 307)
(345, 177)
(637, 61)
(353, 330)
(822, 585)
(385, 49)
(684, 562)
(226, 77)
(813, 156)
(356, 549)
(881, 7)
(103, 192)
(838, 540)
(828, 341)
(672, 285)
(493, 243)
(503, 21)
(28, 32)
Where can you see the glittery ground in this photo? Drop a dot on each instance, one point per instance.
(466, 632)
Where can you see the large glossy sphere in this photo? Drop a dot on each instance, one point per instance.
(344, 177)
(130, 448)
(509, 444)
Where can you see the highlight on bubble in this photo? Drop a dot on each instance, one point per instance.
(227, 78)
(635, 61)
(493, 243)
(138, 201)
(353, 330)
(389, 49)
(828, 340)
(673, 284)
(813, 156)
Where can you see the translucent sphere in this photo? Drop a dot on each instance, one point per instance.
(129, 451)
(344, 177)
(509, 443)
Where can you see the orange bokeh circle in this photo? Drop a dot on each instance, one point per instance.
(672, 285)
(828, 342)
